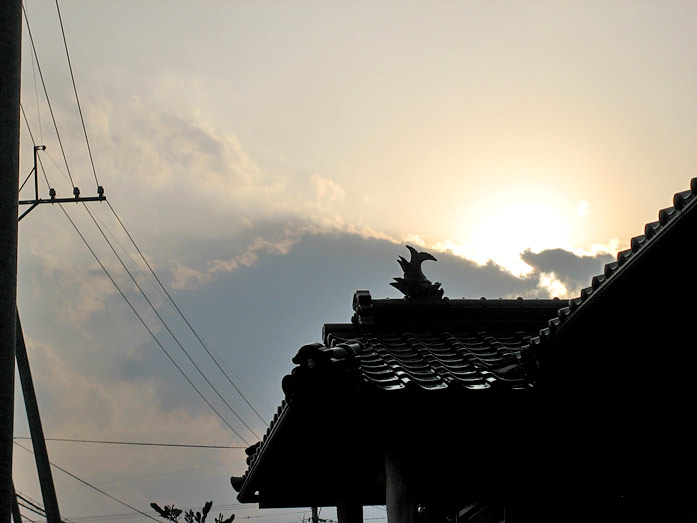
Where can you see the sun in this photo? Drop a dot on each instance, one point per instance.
(502, 229)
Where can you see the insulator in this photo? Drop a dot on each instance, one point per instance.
(100, 190)
(52, 193)
(76, 192)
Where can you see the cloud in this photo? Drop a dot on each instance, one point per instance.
(328, 191)
(186, 277)
(571, 270)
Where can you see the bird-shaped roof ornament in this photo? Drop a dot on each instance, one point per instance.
(414, 285)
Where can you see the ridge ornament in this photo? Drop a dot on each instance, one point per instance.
(415, 286)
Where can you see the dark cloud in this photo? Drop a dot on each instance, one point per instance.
(574, 271)
(257, 314)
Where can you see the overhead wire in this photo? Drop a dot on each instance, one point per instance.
(141, 319)
(130, 257)
(131, 515)
(33, 141)
(27, 499)
(25, 180)
(31, 509)
(77, 98)
(35, 507)
(86, 483)
(48, 100)
(167, 297)
(138, 443)
(30, 504)
(166, 326)
(216, 508)
(70, 179)
(179, 311)
(89, 149)
(167, 473)
(36, 92)
(152, 334)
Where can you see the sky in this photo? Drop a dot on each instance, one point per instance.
(271, 158)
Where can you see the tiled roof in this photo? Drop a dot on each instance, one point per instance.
(460, 347)
(669, 219)
(454, 346)
(393, 345)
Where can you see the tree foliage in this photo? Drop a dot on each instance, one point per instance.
(171, 513)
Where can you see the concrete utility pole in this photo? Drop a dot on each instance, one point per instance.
(10, 66)
(43, 465)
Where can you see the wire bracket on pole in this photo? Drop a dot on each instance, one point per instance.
(52, 192)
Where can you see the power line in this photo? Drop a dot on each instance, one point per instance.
(31, 135)
(36, 94)
(31, 505)
(159, 316)
(35, 55)
(77, 98)
(91, 486)
(168, 473)
(31, 509)
(48, 100)
(143, 322)
(37, 507)
(132, 515)
(145, 444)
(152, 334)
(176, 307)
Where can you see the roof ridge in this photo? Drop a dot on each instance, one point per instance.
(683, 202)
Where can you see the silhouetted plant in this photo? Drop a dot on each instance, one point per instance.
(171, 513)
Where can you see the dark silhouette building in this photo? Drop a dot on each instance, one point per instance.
(501, 410)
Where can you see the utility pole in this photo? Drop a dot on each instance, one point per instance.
(43, 465)
(10, 67)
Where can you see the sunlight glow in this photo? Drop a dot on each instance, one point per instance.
(582, 208)
(520, 222)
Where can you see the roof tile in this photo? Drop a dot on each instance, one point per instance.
(683, 202)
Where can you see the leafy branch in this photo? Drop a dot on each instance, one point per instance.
(171, 513)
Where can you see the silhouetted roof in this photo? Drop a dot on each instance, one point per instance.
(650, 244)
(446, 352)
(396, 346)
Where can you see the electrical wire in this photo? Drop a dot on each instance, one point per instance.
(130, 257)
(159, 316)
(131, 515)
(31, 135)
(36, 93)
(35, 54)
(140, 318)
(176, 307)
(168, 473)
(41, 511)
(152, 334)
(25, 180)
(90, 485)
(38, 509)
(31, 509)
(189, 446)
(30, 501)
(48, 100)
(77, 98)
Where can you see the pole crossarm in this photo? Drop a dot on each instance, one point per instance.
(36, 201)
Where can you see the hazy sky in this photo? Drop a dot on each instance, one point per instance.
(272, 157)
